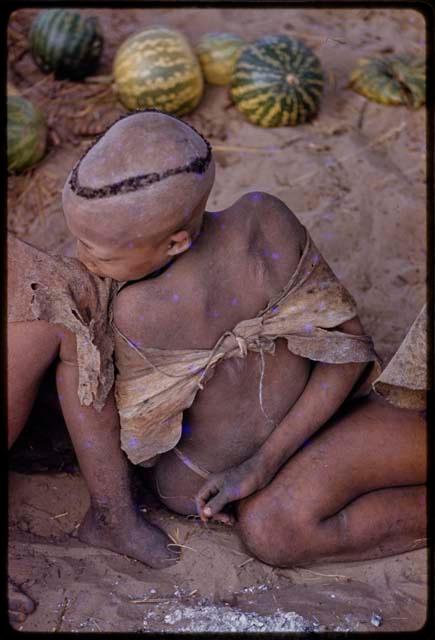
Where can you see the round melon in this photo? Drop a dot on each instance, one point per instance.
(26, 134)
(66, 43)
(393, 80)
(217, 53)
(277, 81)
(157, 68)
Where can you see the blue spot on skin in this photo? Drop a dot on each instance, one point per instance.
(215, 214)
(308, 327)
(214, 314)
(275, 309)
(327, 235)
(266, 252)
(88, 444)
(255, 197)
(130, 245)
(175, 297)
(315, 260)
(234, 302)
(133, 442)
(324, 385)
(275, 256)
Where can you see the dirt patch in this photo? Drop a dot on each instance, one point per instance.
(355, 177)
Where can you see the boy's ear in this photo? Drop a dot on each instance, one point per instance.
(179, 242)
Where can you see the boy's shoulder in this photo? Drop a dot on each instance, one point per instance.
(267, 212)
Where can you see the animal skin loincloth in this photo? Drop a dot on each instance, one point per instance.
(404, 381)
(154, 389)
(62, 291)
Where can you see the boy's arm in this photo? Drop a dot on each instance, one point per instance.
(327, 388)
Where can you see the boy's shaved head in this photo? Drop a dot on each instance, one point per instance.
(144, 177)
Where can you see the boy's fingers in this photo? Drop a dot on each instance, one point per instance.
(207, 491)
(215, 505)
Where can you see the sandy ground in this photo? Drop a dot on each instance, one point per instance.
(355, 177)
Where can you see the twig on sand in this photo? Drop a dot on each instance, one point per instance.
(148, 600)
(59, 623)
(362, 114)
(250, 149)
(325, 575)
(183, 546)
(246, 562)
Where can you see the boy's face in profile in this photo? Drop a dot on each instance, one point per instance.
(131, 260)
(127, 258)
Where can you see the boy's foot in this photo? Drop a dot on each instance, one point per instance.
(20, 605)
(130, 535)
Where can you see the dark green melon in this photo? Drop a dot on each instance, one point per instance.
(395, 80)
(26, 134)
(277, 81)
(66, 43)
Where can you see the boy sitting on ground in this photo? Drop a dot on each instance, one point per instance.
(251, 316)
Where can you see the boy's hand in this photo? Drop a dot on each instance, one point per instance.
(224, 487)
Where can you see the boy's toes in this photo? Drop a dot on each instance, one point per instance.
(20, 605)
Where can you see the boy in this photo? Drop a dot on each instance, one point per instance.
(252, 282)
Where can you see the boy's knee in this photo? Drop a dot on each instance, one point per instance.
(274, 537)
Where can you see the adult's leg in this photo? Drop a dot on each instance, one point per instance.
(31, 348)
(356, 491)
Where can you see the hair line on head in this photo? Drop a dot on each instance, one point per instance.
(134, 183)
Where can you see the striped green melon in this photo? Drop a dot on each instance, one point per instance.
(277, 81)
(158, 69)
(66, 43)
(395, 80)
(26, 134)
(217, 53)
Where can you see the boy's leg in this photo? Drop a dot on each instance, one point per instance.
(112, 521)
(355, 492)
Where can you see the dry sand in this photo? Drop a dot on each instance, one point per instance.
(355, 177)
